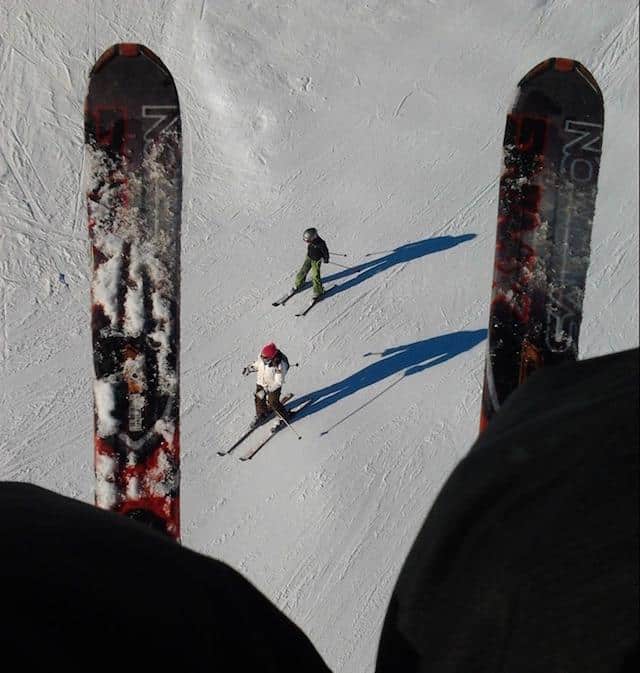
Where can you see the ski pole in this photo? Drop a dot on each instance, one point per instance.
(339, 254)
(284, 420)
(342, 266)
(379, 252)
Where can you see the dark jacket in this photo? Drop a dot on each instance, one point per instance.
(528, 560)
(74, 575)
(317, 249)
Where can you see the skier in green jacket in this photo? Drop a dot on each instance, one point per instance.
(317, 252)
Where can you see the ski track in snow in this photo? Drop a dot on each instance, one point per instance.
(381, 125)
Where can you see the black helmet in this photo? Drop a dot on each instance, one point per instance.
(310, 234)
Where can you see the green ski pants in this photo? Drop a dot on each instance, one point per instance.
(314, 267)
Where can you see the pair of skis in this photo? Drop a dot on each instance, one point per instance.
(552, 148)
(315, 300)
(241, 439)
(279, 425)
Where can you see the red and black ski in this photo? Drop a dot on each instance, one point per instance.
(133, 184)
(552, 147)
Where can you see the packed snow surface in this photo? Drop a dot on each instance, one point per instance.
(379, 123)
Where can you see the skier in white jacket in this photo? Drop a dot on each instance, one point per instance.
(271, 368)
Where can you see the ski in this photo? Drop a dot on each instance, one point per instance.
(274, 430)
(133, 185)
(548, 186)
(284, 299)
(314, 301)
(241, 439)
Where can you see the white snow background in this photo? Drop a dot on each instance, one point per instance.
(378, 122)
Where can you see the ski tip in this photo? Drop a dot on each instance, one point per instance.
(563, 65)
(591, 80)
(543, 66)
(127, 50)
(105, 58)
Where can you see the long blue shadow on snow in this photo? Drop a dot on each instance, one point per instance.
(405, 360)
(401, 255)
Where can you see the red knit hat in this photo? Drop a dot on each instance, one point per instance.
(269, 351)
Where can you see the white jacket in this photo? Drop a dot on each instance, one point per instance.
(269, 377)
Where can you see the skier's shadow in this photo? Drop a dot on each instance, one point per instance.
(404, 360)
(405, 253)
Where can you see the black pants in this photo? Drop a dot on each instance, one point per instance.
(267, 401)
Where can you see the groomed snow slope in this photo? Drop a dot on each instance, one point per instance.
(378, 122)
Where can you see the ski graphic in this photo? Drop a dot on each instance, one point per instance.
(552, 148)
(133, 187)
